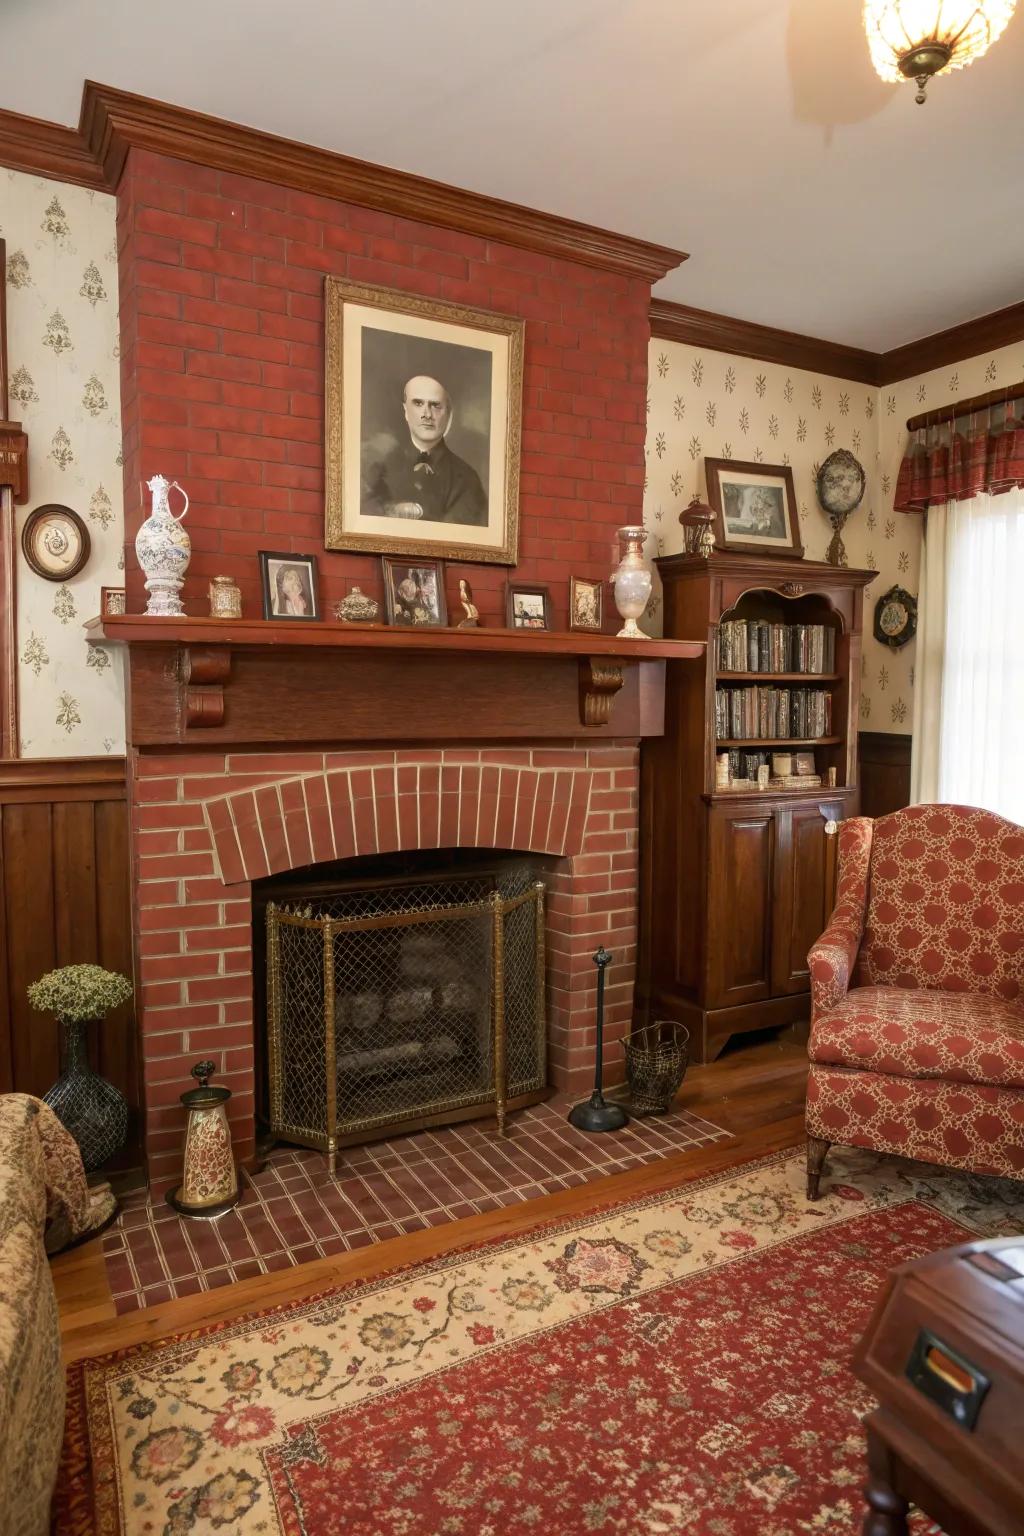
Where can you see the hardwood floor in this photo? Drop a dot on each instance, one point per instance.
(754, 1090)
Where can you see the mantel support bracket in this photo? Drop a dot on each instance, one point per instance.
(601, 678)
(204, 671)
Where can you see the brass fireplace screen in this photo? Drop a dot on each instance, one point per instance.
(404, 1006)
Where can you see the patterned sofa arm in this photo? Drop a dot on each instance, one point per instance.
(832, 958)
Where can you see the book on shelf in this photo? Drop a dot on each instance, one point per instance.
(772, 713)
(761, 645)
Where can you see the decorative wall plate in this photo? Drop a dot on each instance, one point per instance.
(895, 617)
(55, 542)
(840, 484)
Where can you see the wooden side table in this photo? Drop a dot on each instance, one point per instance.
(944, 1355)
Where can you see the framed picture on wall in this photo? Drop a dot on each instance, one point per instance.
(586, 603)
(290, 587)
(414, 592)
(527, 606)
(423, 406)
(755, 507)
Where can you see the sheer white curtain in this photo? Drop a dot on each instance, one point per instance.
(969, 694)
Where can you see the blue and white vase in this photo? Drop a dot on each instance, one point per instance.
(164, 549)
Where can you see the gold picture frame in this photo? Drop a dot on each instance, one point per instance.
(423, 415)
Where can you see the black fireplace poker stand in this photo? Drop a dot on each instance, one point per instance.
(596, 1114)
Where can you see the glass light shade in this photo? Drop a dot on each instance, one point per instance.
(963, 29)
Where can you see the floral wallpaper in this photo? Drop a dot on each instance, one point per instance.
(727, 407)
(702, 402)
(62, 345)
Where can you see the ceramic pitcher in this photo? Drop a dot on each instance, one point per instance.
(164, 549)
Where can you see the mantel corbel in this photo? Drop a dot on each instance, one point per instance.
(204, 671)
(601, 677)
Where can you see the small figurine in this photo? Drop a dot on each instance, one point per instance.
(472, 619)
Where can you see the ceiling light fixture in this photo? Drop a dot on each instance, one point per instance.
(915, 39)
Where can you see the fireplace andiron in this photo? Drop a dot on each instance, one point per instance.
(210, 1185)
(596, 1114)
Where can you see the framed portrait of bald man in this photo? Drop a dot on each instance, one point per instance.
(423, 409)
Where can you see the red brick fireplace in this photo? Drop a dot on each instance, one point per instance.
(208, 824)
(253, 753)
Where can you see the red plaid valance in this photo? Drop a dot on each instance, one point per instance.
(962, 457)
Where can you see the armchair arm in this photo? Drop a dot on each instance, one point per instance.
(832, 958)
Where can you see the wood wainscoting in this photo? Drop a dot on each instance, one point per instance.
(65, 899)
(884, 772)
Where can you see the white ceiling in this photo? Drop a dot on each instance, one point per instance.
(752, 133)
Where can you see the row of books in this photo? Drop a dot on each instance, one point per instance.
(757, 645)
(773, 713)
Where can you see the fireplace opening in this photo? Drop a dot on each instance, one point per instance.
(400, 993)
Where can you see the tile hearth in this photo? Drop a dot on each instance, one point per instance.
(292, 1211)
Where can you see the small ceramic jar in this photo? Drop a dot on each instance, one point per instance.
(225, 598)
(357, 608)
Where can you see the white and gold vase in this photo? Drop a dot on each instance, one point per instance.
(632, 581)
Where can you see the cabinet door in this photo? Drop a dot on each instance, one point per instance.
(741, 850)
(804, 888)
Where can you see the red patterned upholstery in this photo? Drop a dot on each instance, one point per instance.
(917, 990)
(946, 904)
(980, 1129)
(961, 1037)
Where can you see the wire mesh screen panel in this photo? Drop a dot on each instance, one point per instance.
(402, 1003)
(297, 1050)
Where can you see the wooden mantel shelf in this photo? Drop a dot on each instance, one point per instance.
(253, 680)
(138, 629)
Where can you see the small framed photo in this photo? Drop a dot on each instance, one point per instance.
(755, 507)
(527, 606)
(586, 603)
(414, 592)
(290, 586)
(112, 600)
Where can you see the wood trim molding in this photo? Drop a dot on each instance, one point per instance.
(722, 333)
(48, 149)
(701, 328)
(62, 778)
(999, 329)
(115, 121)
(959, 407)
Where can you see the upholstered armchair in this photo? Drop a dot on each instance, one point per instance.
(917, 992)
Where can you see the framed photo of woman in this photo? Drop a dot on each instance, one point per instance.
(290, 586)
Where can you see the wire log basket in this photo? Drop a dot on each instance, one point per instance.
(656, 1061)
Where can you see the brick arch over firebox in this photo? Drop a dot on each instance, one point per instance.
(339, 814)
(208, 824)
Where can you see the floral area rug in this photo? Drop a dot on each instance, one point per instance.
(674, 1364)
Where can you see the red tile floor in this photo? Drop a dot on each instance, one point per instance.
(292, 1211)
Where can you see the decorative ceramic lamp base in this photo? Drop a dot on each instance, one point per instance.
(89, 1107)
(211, 1184)
(203, 1212)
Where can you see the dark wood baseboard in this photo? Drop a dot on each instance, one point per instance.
(884, 762)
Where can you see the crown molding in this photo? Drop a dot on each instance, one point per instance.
(721, 333)
(114, 121)
(985, 334)
(47, 149)
(702, 328)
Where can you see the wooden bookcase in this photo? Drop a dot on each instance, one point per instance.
(737, 884)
